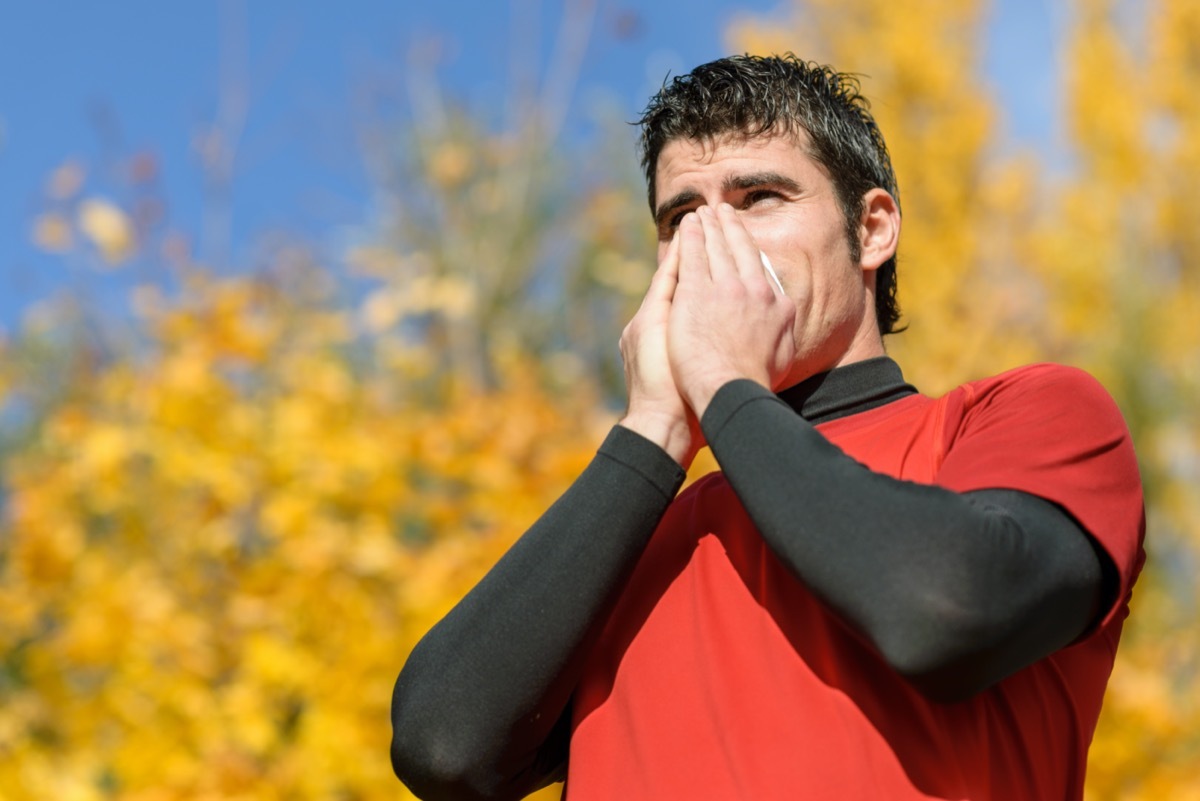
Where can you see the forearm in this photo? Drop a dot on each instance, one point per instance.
(955, 591)
(480, 695)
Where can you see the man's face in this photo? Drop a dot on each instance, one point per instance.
(788, 204)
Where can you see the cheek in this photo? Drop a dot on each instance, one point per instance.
(812, 250)
(778, 241)
(764, 228)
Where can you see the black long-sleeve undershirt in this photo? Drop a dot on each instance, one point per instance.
(480, 708)
(956, 592)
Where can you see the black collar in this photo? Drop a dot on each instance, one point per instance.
(848, 390)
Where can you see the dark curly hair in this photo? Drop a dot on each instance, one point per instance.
(751, 96)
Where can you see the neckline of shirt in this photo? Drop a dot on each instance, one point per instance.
(848, 390)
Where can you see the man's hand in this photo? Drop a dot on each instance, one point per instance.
(727, 320)
(656, 409)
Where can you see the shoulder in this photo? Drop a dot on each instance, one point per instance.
(1037, 395)
(1054, 432)
(1045, 379)
(1044, 420)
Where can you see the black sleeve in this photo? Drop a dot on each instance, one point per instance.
(956, 591)
(481, 707)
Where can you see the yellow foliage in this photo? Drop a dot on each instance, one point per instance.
(215, 562)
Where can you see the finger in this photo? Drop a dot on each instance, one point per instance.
(670, 259)
(720, 260)
(693, 256)
(745, 252)
(665, 278)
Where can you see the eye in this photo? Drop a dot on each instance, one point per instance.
(757, 196)
(669, 224)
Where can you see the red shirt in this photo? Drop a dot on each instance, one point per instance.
(719, 676)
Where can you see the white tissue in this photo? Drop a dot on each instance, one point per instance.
(771, 271)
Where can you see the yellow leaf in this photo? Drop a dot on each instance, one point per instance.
(381, 310)
(109, 228)
(450, 165)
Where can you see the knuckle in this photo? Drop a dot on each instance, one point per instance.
(734, 289)
(765, 292)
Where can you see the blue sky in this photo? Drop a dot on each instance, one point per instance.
(88, 80)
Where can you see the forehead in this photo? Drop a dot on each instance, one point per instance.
(684, 163)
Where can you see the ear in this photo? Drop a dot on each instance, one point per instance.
(879, 229)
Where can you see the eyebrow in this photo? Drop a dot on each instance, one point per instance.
(680, 200)
(732, 183)
(754, 180)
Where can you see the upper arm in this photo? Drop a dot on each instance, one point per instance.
(1045, 456)
(1039, 583)
(1053, 433)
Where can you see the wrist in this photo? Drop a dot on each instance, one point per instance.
(670, 432)
(702, 391)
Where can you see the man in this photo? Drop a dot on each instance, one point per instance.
(881, 595)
